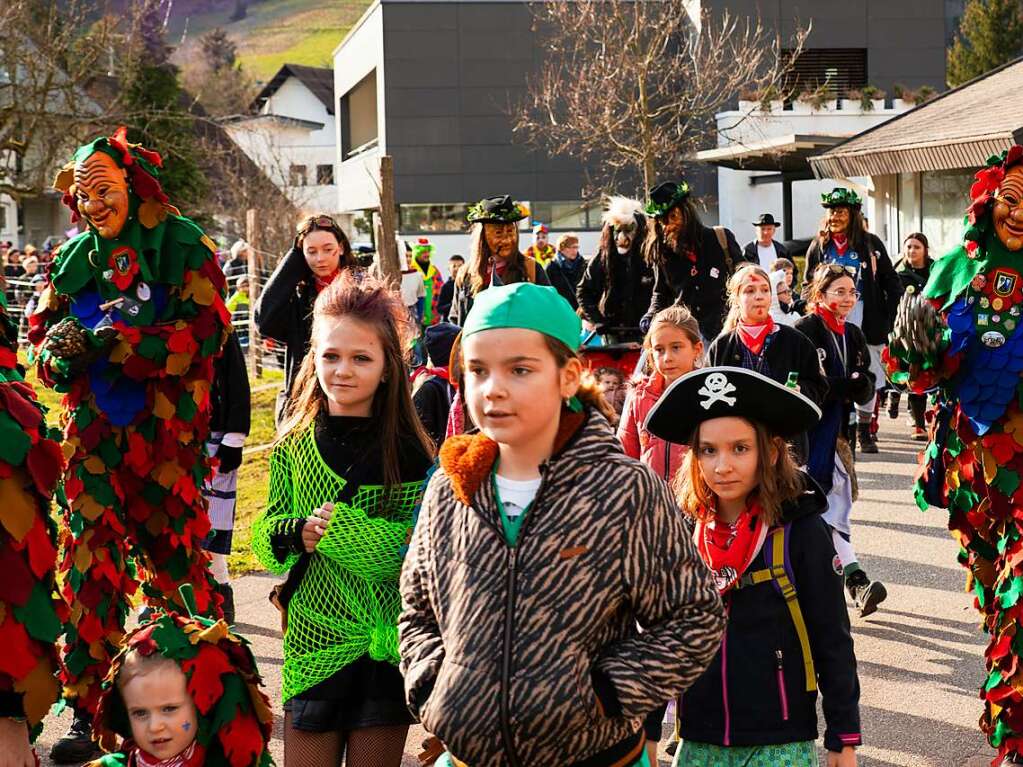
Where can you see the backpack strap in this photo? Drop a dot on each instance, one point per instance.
(776, 556)
(530, 270)
(719, 231)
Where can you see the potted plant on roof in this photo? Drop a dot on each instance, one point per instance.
(820, 98)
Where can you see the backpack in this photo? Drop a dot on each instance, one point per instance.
(719, 231)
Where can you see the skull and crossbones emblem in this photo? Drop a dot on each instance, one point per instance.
(716, 389)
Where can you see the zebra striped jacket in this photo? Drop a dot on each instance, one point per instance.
(533, 655)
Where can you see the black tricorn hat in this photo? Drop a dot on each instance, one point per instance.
(766, 219)
(502, 210)
(722, 392)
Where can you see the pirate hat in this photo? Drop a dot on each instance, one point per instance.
(722, 392)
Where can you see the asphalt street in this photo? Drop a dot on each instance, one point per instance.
(920, 656)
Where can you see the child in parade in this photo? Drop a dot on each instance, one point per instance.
(756, 522)
(842, 349)
(612, 384)
(184, 692)
(551, 594)
(751, 338)
(345, 476)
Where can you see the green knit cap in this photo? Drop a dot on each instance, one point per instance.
(528, 306)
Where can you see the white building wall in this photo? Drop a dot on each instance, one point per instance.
(360, 53)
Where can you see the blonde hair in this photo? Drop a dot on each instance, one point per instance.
(567, 240)
(678, 317)
(734, 286)
(136, 665)
(776, 483)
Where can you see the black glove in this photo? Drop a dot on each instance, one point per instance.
(230, 458)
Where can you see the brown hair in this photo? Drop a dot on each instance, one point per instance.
(824, 277)
(371, 301)
(477, 268)
(321, 222)
(782, 263)
(567, 240)
(921, 238)
(656, 251)
(776, 484)
(136, 664)
(734, 285)
(857, 231)
(677, 316)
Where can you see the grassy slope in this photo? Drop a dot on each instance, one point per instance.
(252, 477)
(274, 32)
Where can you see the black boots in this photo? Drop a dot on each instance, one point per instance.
(865, 438)
(867, 594)
(894, 396)
(227, 593)
(76, 746)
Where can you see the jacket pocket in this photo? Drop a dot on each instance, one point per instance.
(462, 709)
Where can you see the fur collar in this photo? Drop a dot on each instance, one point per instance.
(468, 459)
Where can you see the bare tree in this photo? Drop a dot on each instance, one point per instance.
(47, 56)
(631, 86)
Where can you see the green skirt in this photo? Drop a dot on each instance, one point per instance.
(802, 754)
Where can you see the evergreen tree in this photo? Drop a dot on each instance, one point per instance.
(990, 34)
(218, 64)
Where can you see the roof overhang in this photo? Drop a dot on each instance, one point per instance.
(969, 152)
(779, 154)
(287, 122)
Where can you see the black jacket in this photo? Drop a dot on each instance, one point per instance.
(881, 287)
(230, 396)
(700, 285)
(750, 254)
(284, 311)
(463, 295)
(788, 351)
(625, 294)
(913, 280)
(761, 647)
(566, 279)
(447, 295)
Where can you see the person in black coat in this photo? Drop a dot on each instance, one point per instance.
(432, 391)
(447, 291)
(614, 292)
(772, 249)
(692, 262)
(844, 239)
(565, 270)
(284, 311)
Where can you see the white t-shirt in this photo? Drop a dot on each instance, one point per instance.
(767, 256)
(516, 495)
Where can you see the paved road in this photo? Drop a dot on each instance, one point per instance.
(920, 656)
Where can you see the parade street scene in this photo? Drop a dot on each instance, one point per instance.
(511, 383)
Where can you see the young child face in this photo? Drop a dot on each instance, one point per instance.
(789, 276)
(673, 353)
(754, 299)
(162, 715)
(350, 363)
(840, 296)
(322, 252)
(614, 390)
(513, 386)
(728, 456)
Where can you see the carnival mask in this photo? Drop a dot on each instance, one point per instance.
(673, 223)
(502, 238)
(1007, 212)
(623, 237)
(101, 194)
(838, 219)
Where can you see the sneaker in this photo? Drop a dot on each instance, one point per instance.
(919, 434)
(865, 593)
(867, 442)
(77, 745)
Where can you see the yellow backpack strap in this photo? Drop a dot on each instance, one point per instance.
(788, 591)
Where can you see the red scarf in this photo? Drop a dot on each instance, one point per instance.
(322, 283)
(832, 320)
(729, 549)
(193, 756)
(841, 243)
(754, 336)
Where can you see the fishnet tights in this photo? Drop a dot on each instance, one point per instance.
(364, 747)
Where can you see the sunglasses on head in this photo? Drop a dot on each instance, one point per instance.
(320, 222)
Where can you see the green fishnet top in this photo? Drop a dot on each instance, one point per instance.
(347, 603)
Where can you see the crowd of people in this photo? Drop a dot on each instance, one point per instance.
(531, 506)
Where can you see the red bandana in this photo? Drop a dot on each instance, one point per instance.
(729, 549)
(831, 319)
(190, 757)
(841, 243)
(321, 283)
(754, 336)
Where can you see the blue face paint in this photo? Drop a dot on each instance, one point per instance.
(186, 726)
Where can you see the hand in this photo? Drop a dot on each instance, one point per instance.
(315, 526)
(230, 458)
(15, 750)
(588, 326)
(847, 758)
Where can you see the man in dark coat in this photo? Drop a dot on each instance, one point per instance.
(447, 291)
(691, 262)
(765, 250)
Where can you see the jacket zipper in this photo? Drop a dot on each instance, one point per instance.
(782, 697)
(724, 688)
(667, 462)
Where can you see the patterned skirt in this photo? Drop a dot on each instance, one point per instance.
(802, 754)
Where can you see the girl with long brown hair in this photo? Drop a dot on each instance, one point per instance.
(756, 521)
(346, 473)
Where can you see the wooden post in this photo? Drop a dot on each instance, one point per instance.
(252, 237)
(387, 246)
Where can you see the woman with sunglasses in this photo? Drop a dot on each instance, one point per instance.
(284, 312)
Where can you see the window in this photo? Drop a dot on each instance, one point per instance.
(325, 175)
(433, 218)
(573, 214)
(358, 116)
(943, 204)
(296, 176)
(840, 69)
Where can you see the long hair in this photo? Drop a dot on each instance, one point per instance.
(656, 250)
(321, 222)
(857, 232)
(370, 301)
(824, 277)
(734, 286)
(608, 252)
(777, 483)
(477, 267)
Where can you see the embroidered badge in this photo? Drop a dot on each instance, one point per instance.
(716, 389)
(836, 565)
(714, 272)
(1005, 282)
(125, 265)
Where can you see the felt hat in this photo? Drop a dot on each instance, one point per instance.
(666, 196)
(528, 306)
(766, 219)
(840, 196)
(497, 210)
(722, 392)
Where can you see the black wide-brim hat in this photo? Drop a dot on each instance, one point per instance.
(766, 219)
(496, 210)
(723, 392)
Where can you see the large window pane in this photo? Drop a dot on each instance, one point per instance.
(945, 196)
(560, 215)
(433, 218)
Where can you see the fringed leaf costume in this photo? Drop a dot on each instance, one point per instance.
(128, 329)
(966, 337)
